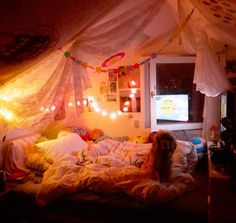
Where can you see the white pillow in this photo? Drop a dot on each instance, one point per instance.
(63, 133)
(185, 157)
(56, 148)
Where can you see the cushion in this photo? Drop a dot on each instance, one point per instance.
(196, 140)
(63, 133)
(185, 157)
(56, 148)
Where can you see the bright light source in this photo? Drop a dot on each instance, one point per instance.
(132, 96)
(6, 114)
(133, 83)
(70, 104)
(104, 113)
(113, 115)
(125, 109)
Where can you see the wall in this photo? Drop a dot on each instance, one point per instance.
(128, 124)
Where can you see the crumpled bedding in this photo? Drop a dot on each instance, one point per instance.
(109, 167)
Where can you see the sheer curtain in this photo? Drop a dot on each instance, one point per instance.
(209, 76)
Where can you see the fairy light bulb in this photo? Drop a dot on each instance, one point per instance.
(133, 83)
(127, 103)
(104, 113)
(113, 115)
(97, 109)
(78, 103)
(133, 91)
(119, 112)
(85, 102)
(90, 98)
(53, 107)
(132, 95)
(125, 109)
(70, 104)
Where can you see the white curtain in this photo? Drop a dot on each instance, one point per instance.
(209, 75)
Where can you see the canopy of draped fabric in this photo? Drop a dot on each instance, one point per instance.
(37, 74)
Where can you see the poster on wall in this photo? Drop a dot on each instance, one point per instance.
(112, 75)
(112, 87)
(103, 87)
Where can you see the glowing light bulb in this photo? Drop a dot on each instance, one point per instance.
(53, 107)
(133, 90)
(90, 98)
(6, 114)
(85, 102)
(125, 109)
(113, 115)
(97, 109)
(119, 112)
(78, 103)
(70, 104)
(133, 83)
(127, 103)
(104, 113)
(132, 95)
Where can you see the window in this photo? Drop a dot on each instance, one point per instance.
(175, 103)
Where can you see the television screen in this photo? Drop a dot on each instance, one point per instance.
(172, 107)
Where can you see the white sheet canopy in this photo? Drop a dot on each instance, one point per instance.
(36, 75)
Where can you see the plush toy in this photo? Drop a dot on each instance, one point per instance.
(95, 133)
(140, 139)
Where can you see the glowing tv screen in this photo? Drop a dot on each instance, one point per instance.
(172, 107)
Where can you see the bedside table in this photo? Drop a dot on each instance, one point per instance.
(222, 199)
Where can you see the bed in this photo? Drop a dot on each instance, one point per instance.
(67, 172)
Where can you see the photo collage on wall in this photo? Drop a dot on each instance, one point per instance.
(110, 88)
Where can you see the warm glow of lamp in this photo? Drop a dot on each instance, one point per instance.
(5, 98)
(6, 114)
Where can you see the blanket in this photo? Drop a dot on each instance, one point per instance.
(110, 167)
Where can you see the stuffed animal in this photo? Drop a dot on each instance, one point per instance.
(95, 133)
(142, 138)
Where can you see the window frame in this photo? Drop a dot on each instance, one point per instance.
(175, 125)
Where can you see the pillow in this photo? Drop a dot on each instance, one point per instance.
(56, 148)
(196, 140)
(63, 133)
(185, 157)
